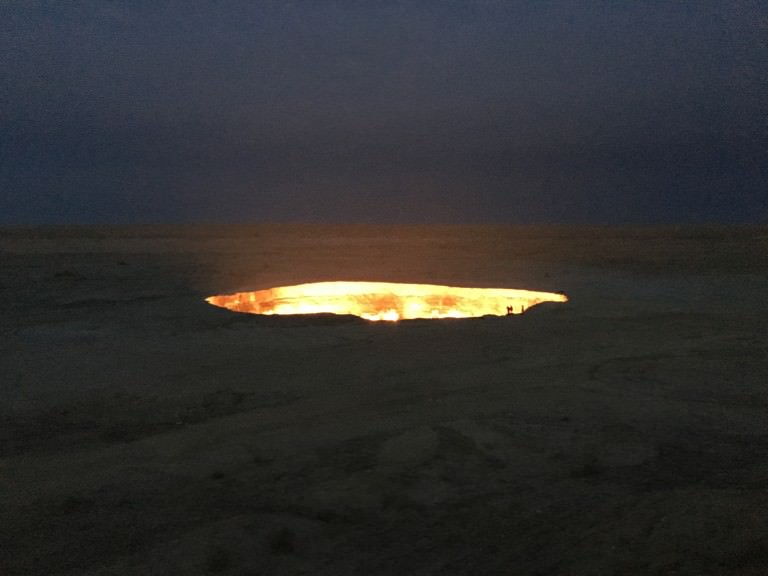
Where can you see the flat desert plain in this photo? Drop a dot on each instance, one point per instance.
(143, 431)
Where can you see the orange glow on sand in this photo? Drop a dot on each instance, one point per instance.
(385, 300)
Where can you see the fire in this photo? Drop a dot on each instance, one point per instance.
(385, 300)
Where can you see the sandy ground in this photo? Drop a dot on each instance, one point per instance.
(143, 431)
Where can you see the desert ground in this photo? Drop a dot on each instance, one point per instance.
(143, 431)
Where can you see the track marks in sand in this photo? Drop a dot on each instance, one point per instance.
(120, 418)
(696, 377)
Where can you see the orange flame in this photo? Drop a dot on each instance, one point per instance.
(385, 300)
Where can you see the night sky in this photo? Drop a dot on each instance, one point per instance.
(622, 111)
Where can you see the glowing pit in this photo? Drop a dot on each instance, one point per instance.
(385, 300)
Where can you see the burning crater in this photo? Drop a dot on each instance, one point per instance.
(385, 300)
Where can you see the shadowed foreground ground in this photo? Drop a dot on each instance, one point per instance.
(145, 432)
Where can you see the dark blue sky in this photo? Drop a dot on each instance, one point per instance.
(342, 111)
